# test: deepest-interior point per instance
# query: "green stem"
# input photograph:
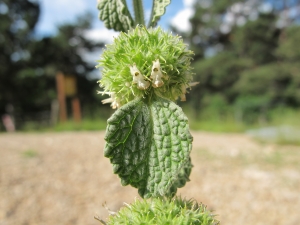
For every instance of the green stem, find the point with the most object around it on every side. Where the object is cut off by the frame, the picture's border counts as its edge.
(138, 12)
(151, 16)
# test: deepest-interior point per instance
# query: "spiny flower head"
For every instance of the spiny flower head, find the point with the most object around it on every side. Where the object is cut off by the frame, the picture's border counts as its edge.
(145, 63)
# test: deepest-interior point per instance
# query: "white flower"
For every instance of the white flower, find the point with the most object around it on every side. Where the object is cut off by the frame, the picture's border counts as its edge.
(113, 100)
(183, 90)
(138, 78)
(156, 75)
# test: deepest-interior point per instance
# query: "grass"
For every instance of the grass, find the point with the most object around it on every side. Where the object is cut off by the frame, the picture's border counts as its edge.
(30, 153)
(277, 159)
(226, 122)
(215, 125)
(210, 120)
(284, 141)
(285, 116)
(280, 140)
(90, 125)
(215, 122)
(84, 125)
(282, 164)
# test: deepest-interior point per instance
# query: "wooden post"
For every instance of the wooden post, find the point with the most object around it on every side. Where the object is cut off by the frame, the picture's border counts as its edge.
(54, 112)
(60, 84)
(76, 109)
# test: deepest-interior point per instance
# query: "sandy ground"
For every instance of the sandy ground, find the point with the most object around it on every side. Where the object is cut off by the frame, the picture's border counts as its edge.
(63, 178)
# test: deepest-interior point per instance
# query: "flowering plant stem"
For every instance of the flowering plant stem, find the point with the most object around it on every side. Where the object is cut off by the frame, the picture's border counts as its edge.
(138, 12)
(148, 142)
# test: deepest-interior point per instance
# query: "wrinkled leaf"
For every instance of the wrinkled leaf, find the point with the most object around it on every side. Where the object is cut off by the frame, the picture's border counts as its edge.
(115, 15)
(149, 146)
(158, 10)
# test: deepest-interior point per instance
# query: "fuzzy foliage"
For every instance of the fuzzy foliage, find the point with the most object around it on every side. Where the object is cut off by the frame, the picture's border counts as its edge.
(149, 146)
(139, 49)
(162, 212)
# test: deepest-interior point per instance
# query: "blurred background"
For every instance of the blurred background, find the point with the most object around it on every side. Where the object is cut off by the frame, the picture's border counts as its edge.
(247, 58)
(246, 61)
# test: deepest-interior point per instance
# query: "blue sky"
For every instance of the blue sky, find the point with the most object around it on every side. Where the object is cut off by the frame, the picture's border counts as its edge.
(54, 12)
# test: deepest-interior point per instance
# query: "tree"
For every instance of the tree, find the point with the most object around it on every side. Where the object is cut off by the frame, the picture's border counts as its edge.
(206, 26)
(28, 65)
(64, 52)
(276, 83)
(255, 72)
(18, 19)
(257, 39)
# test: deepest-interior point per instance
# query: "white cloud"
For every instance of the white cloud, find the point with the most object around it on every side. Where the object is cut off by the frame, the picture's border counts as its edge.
(91, 57)
(55, 12)
(97, 35)
(189, 3)
(266, 7)
(181, 19)
(101, 34)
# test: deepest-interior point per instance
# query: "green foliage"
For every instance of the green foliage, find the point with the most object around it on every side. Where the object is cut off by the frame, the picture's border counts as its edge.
(282, 86)
(282, 127)
(286, 50)
(115, 15)
(138, 12)
(148, 139)
(62, 53)
(217, 80)
(158, 9)
(149, 144)
(205, 26)
(216, 116)
(141, 47)
(284, 115)
(221, 77)
(85, 125)
(159, 211)
(255, 71)
(274, 83)
(13, 42)
(219, 7)
(257, 39)
(28, 65)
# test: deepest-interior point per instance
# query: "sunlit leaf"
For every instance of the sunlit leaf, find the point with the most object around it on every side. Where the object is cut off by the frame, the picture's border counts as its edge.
(115, 15)
(149, 146)
(159, 9)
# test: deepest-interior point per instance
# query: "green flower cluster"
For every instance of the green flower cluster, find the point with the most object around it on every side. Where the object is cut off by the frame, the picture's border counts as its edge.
(145, 63)
(164, 211)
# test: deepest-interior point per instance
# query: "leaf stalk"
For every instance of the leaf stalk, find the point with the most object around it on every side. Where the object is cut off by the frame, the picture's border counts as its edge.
(151, 15)
(138, 12)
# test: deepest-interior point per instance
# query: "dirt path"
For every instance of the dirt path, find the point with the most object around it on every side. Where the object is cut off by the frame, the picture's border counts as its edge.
(63, 178)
